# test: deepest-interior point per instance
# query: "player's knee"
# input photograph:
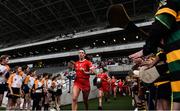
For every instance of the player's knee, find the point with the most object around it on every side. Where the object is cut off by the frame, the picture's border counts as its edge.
(100, 96)
(74, 99)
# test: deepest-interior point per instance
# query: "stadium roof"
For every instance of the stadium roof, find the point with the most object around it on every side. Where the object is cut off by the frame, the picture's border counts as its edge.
(24, 21)
(105, 31)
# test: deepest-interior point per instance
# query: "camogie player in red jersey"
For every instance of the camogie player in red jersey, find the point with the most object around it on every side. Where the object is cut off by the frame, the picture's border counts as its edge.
(114, 86)
(104, 87)
(83, 70)
(120, 86)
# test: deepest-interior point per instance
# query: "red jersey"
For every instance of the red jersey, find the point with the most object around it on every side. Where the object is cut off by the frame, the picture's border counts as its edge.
(86, 65)
(105, 85)
(104, 78)
(120, 84)
(113, 82)
(82, 79)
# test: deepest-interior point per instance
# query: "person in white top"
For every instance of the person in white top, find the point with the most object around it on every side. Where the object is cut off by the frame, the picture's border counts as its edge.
(52, 91)
(45, 88)
(27, 88)
(37, 93)
(4, 60)
(59, 91)
(49, 82)
(48, 96)
(2, 82)
(4, 74)
(15, 92)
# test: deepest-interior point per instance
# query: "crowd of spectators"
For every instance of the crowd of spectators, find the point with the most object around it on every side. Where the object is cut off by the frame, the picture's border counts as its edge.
(113, 61)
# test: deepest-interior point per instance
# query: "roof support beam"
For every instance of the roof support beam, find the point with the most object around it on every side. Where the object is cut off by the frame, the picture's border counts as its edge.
(92, 9)
(30, 10)
(12, 18)
(41, 7)
(72, 15)
(69, 5)
(55, 15)
(17, 28)
(8, 33)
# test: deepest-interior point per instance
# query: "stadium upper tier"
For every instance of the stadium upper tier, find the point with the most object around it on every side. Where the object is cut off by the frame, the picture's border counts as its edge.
(112, 37)
(75, 53)
(70, 37)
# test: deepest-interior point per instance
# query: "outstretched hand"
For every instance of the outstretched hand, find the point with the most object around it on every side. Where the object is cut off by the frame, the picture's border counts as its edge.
(136, 55)
(151, 63)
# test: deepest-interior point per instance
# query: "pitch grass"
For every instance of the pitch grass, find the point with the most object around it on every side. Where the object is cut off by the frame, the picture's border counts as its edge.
(121, 103)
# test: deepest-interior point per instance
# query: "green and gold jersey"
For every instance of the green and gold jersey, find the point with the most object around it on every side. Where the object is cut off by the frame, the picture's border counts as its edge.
(169, 15)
